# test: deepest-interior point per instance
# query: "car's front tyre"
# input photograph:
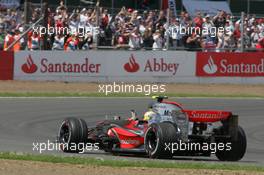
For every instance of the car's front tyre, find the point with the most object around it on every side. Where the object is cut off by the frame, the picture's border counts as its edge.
(72, 135)
(158, 140)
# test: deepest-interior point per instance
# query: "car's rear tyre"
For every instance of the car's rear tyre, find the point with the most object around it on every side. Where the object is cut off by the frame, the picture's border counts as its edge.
(73, 135)
(158, 140)
(238, 148)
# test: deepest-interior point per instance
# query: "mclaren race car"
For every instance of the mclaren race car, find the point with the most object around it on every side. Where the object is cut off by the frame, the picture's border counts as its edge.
(166, 130)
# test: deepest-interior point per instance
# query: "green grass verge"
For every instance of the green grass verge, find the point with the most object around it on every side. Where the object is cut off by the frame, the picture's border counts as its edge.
(129, 163)
(68, 94)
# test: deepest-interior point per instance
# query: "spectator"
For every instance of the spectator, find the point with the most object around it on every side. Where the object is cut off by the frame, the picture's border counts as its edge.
(220, 20)
(120, 36)
(85, 42)
(161, 19)
(142, 25)
(229, 27)
(105, 19)
(261, 24)
(17, 46)
(260, 45)
(193, 42)
(135, 39)
(184, 18)
(34, 41)
(210, 34)
(237, 32)
(225, 41)
(247, 40)
(72, 43)
(208, 41)
(23, 43)
(9, 39)
(198, 20)
(175, 34)
(207, 25)
(73, 22)
(158, 40)
(148, 38)
(255, 37)
(58, 43)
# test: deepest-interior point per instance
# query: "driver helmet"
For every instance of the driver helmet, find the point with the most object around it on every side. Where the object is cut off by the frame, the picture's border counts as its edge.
(149, 115)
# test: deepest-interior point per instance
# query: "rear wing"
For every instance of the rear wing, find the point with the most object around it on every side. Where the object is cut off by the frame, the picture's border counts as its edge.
(229, 121)
(207, 116)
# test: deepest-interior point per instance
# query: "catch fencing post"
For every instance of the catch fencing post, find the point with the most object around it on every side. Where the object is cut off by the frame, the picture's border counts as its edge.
(242, 32)
(168, 25)
(45, 24)
(97, 23)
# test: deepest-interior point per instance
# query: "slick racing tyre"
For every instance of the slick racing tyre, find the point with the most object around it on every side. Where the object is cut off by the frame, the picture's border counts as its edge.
(72, 135)
(158, 137)
(238, 148)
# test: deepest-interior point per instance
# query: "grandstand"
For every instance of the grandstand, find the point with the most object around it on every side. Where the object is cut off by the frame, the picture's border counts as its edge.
(134, 26)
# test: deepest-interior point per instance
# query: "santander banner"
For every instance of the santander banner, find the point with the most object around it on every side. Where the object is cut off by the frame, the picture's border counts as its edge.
(45, 65)
(105, 66)
(230, 64)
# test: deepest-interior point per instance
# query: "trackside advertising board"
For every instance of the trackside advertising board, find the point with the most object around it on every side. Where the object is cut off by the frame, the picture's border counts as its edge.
(6, 65)
(105, 66)
(230, 64)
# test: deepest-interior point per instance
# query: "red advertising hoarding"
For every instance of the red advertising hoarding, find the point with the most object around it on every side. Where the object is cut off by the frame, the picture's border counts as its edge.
(6, 65)
(229, 64)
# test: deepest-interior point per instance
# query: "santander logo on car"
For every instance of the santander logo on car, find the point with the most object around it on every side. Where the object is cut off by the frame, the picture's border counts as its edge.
(29, 67)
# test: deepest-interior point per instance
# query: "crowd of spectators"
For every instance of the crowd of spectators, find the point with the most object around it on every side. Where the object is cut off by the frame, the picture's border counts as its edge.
(131, 29)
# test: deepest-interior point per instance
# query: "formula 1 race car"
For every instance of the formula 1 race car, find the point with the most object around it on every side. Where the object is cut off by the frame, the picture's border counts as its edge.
(170, 130)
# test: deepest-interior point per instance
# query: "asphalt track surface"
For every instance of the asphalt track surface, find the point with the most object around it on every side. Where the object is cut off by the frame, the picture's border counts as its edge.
(24, 121)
